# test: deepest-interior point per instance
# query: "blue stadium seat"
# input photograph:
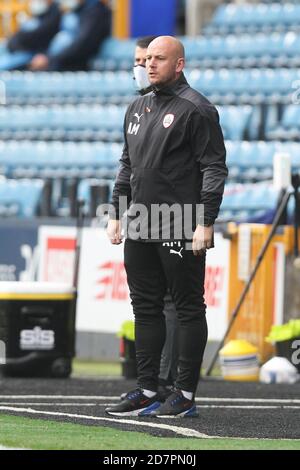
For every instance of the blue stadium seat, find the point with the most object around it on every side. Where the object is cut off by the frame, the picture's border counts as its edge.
(289, 126)
(84, 189)
(242, 202)
(20, 197)
(115, 54)
(234, 121)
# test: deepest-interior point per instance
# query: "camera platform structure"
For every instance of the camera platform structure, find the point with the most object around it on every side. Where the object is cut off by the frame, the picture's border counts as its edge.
(280, 218)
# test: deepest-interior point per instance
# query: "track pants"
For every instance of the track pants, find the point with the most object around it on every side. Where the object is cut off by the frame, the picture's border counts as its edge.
(150, 268)
(169, 355)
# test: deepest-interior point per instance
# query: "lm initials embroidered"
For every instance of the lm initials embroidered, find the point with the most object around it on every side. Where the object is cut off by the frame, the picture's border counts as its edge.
(133, 128)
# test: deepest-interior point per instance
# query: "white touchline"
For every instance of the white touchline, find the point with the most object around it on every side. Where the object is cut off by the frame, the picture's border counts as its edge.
(186, 432)
(254, 407)
(7, 403)
(113, 398)
(12, 448)
(60, 397)
(249, 400)
(101, 405)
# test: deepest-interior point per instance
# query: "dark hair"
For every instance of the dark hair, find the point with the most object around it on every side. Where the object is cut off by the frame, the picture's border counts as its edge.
(144, 42)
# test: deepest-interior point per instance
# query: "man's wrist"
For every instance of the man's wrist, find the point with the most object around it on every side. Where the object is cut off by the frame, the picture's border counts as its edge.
(206, 223)
(113, 213)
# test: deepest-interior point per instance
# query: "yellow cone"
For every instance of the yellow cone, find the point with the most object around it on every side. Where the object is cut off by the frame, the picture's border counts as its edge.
(239, 361)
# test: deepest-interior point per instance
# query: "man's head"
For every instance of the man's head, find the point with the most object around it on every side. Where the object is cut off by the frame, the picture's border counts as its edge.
(141, 50)
(164, 60)
(139, 69)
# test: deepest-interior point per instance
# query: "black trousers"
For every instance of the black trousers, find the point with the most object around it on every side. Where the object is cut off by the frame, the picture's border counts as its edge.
(150, 268)
(169, 356)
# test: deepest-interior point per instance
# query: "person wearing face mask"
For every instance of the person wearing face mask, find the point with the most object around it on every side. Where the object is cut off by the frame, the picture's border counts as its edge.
(34, 35)
(83, 27)
(169, 357)
(139, 69)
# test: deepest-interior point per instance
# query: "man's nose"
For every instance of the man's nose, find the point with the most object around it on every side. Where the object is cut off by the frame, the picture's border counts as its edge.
(151, 62)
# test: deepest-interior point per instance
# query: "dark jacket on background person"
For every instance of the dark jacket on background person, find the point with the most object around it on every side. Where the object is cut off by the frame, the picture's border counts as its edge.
(174, 151)
(38, 38)
(94, 27)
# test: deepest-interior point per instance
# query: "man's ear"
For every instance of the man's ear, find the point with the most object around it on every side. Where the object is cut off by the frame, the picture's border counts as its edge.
(180, 64)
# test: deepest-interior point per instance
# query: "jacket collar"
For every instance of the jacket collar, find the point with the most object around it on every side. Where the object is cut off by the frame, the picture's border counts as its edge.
(144, 91)
(173, 87)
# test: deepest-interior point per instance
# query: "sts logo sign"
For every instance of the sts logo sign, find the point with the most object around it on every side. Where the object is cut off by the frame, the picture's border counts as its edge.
(37, 339)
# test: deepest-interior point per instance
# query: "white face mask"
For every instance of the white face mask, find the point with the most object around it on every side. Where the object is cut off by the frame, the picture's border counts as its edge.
(69, 5)
(141, 77)
(38, 7)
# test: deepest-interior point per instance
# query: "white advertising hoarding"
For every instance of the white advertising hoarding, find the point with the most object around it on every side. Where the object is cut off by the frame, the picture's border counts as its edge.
(103, 297)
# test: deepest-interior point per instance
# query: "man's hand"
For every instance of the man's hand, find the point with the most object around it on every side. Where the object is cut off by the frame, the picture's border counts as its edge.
(202, 239)
(114, 231)
(39, 62)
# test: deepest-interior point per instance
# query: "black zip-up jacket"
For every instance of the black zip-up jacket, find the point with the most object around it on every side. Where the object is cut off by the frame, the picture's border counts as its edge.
(173, 152)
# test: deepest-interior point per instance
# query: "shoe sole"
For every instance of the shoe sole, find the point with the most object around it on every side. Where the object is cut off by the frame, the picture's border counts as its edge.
(147, 411)
(125, 413)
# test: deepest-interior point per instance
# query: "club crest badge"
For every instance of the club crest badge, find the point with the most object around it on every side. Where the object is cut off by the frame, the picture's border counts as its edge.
(168, 119)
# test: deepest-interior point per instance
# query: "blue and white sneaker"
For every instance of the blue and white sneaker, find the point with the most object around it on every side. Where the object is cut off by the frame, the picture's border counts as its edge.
(147, 411)
(133, 403)
(175, 406)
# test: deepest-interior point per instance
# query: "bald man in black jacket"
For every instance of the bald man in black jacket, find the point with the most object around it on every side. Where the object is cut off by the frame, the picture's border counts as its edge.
(170, 183)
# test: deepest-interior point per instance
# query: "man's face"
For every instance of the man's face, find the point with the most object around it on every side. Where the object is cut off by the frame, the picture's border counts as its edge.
(140, 56)
(162, 63)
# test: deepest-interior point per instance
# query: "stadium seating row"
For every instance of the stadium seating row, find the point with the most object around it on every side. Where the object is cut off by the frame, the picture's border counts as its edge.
(254, 17)
(58, 159)
(274, 50)
(260, 84)
(21, 198)
(251, 197)
(94, 122)
(27, 85)
(105, 123)
(246, 160)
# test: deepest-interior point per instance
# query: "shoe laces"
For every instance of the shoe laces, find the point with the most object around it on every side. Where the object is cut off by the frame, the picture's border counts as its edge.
(178, 396)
